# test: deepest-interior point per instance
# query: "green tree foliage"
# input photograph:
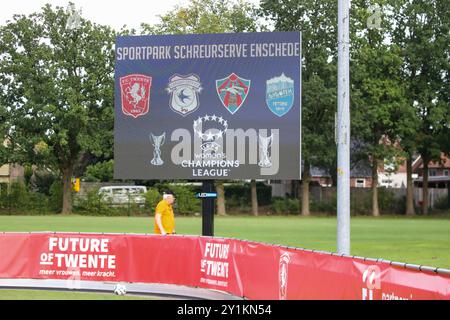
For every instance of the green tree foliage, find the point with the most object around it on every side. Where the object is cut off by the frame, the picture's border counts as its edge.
(207, 16)
(57, 88)
(378, 93)
(421, 30)
(316, 19)
(100, 172)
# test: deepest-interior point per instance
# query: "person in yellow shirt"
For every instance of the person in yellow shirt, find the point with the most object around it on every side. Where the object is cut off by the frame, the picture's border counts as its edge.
(164, 218)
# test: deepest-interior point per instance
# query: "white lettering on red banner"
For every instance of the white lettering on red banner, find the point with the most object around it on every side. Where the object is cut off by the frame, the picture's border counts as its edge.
(75, 257)
(215, 265)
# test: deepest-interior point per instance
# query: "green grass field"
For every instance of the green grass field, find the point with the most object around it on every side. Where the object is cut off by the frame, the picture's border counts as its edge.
(62, 295)
(417, 240)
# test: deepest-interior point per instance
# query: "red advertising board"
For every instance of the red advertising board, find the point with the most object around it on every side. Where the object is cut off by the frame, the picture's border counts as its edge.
(247, 269)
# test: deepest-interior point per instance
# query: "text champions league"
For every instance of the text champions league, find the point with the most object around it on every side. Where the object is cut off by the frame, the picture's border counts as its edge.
(209, 51)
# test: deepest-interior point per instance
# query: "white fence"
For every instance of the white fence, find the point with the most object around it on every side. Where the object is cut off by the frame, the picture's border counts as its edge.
(434, 195)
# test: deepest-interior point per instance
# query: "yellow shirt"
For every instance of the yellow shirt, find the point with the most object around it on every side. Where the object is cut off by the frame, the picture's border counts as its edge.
(167, 217)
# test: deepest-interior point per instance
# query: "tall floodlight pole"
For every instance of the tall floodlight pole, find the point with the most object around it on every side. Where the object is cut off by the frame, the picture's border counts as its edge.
(343, 130)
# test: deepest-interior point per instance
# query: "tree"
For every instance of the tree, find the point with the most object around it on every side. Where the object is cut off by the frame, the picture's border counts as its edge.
(316, 19)
(377, 92)
(407, 126)
(221, 211)
(254, 197)
(422, 31)
(57, 86)
(208, 16)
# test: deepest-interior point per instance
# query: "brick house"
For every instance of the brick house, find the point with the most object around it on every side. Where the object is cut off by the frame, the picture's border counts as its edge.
(438, 173)
(438, 180)
(10, 173)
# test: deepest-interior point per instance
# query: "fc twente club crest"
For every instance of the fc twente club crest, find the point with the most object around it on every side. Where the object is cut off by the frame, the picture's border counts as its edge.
(232, 91)
(184, 92)
(280, 94)
(135, 94)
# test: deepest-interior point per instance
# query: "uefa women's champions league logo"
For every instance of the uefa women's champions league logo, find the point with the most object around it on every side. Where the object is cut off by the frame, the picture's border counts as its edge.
(209, 136)
(211, 145)
(283, 275)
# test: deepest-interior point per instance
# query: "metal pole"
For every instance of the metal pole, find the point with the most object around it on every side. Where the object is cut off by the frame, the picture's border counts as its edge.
(448, 195)
(343, 130)
(208, 209)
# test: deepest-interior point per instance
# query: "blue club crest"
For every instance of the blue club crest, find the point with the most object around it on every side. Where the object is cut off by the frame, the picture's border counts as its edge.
(280, 94)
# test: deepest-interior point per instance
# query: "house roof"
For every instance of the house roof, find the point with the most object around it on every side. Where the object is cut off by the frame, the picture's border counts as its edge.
(445, 163)
(361, 169)
(434, 179)
(319, 172)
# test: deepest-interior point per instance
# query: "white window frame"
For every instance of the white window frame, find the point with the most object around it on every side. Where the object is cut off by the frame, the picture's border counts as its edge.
(358, 182)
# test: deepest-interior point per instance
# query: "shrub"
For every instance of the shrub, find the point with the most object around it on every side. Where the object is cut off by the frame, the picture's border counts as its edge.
(186, 202)
(241, 194)
(285, 206)
(43, 181)
(20, 200)
(360, 201)
(18, 195)
(93, 204)
(38, 202)
(56, 196)
(387, 201)
(328, 206)
(152, 197)
(100, 172)
(441, 203)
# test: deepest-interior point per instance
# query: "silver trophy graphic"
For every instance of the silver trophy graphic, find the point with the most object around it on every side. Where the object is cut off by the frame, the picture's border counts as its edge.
(157, 142)
(264, 144)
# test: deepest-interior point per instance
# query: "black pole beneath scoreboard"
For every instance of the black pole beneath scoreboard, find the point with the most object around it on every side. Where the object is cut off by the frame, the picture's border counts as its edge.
(208, 209)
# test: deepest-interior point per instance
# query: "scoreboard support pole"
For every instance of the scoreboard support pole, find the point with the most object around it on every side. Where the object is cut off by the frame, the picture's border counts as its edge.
(343, 130)
(208, 208)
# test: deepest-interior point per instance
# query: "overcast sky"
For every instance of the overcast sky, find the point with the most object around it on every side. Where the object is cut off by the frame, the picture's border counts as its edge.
(114, 13)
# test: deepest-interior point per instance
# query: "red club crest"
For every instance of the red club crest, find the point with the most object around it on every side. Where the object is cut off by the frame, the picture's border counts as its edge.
(135, 93)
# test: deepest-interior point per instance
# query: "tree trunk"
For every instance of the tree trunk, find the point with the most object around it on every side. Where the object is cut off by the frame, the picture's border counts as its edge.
(220, 198)
(425, 187)
(306, 178)
(254, 198)
(375, 208)
(67, 190)
(409, 188)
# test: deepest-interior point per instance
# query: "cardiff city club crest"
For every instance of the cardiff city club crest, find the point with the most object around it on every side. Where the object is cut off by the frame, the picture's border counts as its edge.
(232, 91)
(135, 92)
(184, 92)
(280, 94)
